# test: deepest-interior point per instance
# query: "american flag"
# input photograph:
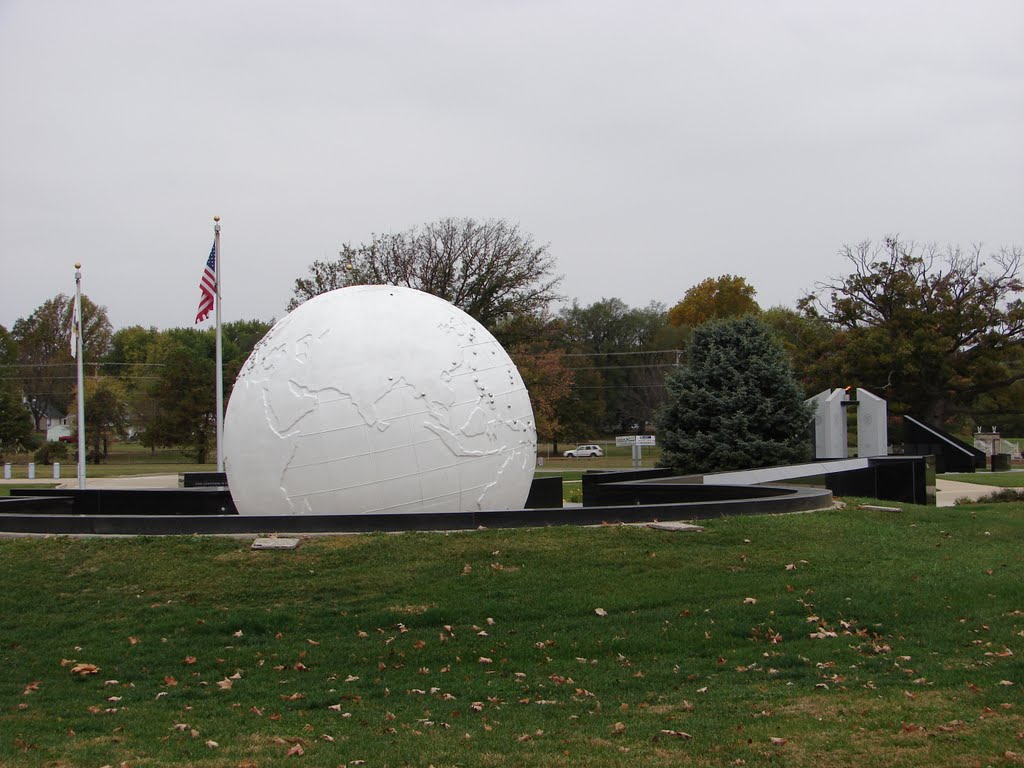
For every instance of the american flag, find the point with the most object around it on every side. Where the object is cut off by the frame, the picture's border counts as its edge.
(74, 327)
(208, 285)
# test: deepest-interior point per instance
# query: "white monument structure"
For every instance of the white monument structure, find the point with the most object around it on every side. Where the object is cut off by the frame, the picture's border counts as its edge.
(378, 399)
(830, 432)
(830, 424)
(872, 424)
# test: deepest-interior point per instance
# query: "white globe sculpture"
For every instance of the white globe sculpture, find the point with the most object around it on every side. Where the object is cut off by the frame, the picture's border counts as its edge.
(378, 399)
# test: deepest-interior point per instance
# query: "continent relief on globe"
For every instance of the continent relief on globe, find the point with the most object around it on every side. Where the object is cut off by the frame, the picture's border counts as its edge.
(378, 399)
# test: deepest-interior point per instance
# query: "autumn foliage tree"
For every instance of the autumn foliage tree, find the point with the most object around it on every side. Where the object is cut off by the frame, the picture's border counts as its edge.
(549, 382)
(714, 298)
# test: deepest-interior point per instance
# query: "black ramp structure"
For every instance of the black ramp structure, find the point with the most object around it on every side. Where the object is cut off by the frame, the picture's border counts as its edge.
(951, 454)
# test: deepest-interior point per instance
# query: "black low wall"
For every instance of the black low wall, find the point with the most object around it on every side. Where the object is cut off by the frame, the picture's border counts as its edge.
(779, 500)
(37, 506)
(654, 492)
(892, 478)
(139, 501)
(203, 479)
(631, 496)
(545, 492)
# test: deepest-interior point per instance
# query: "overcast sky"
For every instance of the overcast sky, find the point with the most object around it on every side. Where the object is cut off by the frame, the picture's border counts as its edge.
(652, 144)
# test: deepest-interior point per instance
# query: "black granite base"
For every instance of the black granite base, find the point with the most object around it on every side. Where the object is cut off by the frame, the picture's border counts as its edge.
(774, 500)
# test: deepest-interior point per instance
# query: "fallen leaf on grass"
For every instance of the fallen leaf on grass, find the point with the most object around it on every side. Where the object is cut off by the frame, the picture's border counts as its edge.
(225, 684)
(31, 688)
(778, 741)
(170, 681)
(749, 600)
(189, 660)
(675, 734)
(1000, 654)
(84, 669)
(618, 728)
(237, 634)
(600, 611)
(1006, 682)
(295, 751)
(133, 641)
(293, 697)
(212, 744)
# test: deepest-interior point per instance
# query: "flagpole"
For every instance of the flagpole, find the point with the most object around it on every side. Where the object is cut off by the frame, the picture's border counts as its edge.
(220, 368)
(81, 375)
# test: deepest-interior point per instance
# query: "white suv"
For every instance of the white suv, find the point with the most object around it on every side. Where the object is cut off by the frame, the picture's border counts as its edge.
(584, 451)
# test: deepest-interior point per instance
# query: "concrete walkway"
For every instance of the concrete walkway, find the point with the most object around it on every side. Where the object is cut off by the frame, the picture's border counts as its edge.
(131, 481)
(948, 491)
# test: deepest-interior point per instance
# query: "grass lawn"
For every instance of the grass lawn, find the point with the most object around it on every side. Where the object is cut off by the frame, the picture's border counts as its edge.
(124, 459)
(998, 479)
(851, 638)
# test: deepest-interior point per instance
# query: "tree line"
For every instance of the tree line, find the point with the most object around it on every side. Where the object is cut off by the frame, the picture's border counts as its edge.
(937, 332)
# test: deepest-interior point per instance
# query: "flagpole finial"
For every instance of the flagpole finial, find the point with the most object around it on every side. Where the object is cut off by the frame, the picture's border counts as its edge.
(78, 265)
(216, 218)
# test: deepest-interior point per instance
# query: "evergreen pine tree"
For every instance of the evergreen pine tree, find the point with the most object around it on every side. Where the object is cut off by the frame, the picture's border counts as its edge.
(734, 404)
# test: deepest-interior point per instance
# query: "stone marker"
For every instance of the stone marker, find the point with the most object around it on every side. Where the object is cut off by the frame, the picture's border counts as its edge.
(275, 543)
(672, 525)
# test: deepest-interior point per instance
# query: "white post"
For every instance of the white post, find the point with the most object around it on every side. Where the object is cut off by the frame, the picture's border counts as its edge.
(219, 354)
(56, 470)
(31, 470)
(81, 378)
(7, 471)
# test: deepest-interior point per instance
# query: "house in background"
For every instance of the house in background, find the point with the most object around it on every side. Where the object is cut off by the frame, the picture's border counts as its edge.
(55, 424)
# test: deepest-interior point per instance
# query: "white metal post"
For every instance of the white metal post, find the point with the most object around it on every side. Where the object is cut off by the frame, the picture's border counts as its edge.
(219, 354)
(81, 377)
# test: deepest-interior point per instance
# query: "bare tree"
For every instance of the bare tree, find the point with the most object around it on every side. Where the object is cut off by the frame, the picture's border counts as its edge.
(934, 328)
(490, 269)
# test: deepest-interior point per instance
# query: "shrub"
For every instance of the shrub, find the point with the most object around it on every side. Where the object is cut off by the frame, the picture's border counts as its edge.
(51, 451)
(996, 497)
